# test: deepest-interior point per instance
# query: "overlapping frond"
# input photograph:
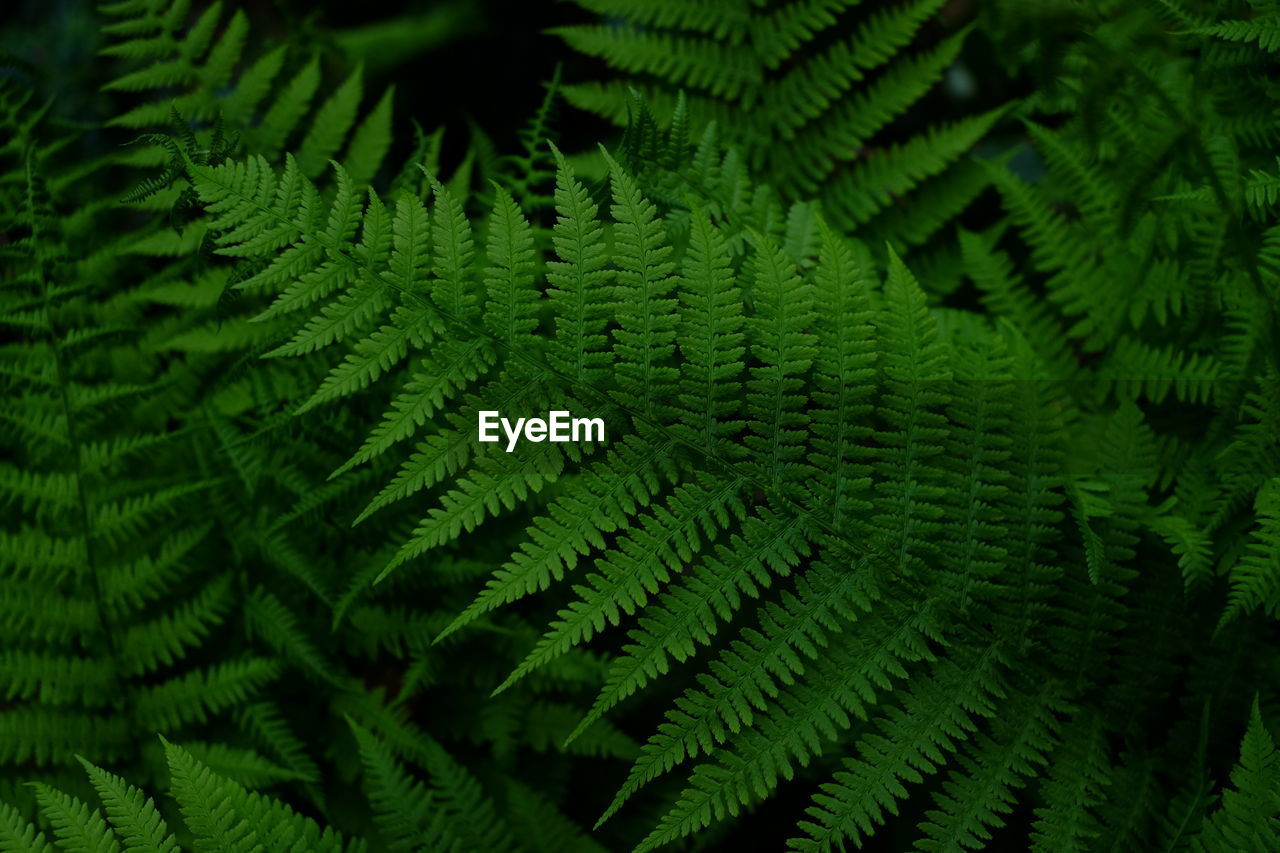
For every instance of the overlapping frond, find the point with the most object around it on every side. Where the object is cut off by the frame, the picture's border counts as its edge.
(811, 92)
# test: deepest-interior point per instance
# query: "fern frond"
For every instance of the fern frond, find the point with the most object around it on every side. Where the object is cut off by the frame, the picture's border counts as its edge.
(805, 88)
(979, 795)
(774, 407)
(1264, 30)
(77, 828)
(709, 336)
(688, 615)
(755, 669)
(1255, 579)
(645, 338)
(132, 813)
(917, 740)
(609, 494)
(405, 811)
(1249, 816)
(661, 543)
(222, 815)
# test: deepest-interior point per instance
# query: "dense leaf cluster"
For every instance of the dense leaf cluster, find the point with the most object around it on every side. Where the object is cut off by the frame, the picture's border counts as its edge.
(939, 506)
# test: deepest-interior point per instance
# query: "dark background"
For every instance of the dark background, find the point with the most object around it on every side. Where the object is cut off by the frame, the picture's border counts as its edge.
(461, 61)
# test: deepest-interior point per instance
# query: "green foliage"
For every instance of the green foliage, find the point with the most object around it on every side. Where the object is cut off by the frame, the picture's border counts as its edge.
(105, 597)
(938, 505)
(812, 94)
(214, 813)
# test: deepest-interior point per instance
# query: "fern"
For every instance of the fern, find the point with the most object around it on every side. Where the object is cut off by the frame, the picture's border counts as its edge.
(113, 554)
(810, 91)
(707, 590)
(1246, 820)
(898, 533)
